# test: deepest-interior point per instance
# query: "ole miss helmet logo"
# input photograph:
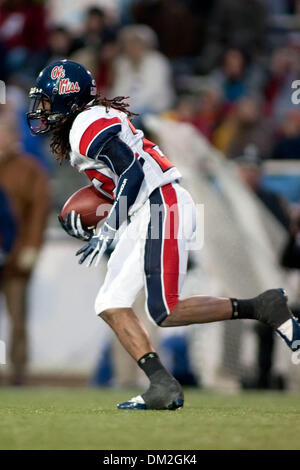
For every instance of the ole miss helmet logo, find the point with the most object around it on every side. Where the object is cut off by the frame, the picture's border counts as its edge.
(58, 72)
(65, 86)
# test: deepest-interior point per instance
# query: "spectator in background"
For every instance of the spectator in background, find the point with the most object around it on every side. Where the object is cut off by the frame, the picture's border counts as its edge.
(174, 24)
(202, 111)
(97, 30)
(7, 229)
(141, 72)
(23, 32)
(277, 76)
(241, 23)
(235, 24)
(208, 111)
(235, 78)
(243, 126)
(26, 184)
(96, 47)
(290, 71)
(60, 44)
(287, 146)
(250, 171)
(184, 111)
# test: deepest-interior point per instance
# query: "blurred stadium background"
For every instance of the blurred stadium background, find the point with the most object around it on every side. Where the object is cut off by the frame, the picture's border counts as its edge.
(212, 83)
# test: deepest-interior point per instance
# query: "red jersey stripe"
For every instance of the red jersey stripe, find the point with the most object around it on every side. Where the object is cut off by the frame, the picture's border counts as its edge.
(106, 186)
(94, 129)
(170, 246)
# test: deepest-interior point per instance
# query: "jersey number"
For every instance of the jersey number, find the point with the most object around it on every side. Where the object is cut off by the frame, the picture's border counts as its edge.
(157, 154)
(106, 185)
(154, 151)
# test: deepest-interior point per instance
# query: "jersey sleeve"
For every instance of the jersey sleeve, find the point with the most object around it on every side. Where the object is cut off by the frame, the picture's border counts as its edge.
(92, 129)
(103, 180)
(121, 158)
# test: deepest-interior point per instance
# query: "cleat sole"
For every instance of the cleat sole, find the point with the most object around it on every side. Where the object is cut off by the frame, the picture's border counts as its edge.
(129, 405)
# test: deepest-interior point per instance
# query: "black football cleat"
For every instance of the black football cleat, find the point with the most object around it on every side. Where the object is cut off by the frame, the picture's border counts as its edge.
(271, 308)
(164, 395)
(135, 403)
(138, 403)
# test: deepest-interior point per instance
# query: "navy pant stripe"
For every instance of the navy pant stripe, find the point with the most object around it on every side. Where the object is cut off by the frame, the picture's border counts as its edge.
(153, 256)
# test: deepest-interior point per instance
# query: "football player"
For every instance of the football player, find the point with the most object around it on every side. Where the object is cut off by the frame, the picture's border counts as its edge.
(97, 137)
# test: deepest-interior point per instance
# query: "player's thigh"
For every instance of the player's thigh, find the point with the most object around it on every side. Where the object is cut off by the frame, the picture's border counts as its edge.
(171, 226)
(125, 269)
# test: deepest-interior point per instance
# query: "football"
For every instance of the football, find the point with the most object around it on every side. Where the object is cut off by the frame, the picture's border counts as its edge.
(90, 204)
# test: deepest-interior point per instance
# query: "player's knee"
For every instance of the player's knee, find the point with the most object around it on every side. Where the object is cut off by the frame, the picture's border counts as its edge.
(173, 318)
(154, 314)
(162, 324)
(114, 316)
(108, 315)
(160, 316)
(167, 321)
(103, 310)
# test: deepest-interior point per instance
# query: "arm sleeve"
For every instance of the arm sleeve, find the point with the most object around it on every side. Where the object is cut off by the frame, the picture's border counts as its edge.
(120, 158)
(96, 134)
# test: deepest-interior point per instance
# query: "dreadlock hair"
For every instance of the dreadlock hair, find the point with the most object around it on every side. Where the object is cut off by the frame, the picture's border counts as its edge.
(60, 144)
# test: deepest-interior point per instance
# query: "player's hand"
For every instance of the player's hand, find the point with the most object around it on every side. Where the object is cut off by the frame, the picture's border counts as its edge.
(96, 247)
(73, 226)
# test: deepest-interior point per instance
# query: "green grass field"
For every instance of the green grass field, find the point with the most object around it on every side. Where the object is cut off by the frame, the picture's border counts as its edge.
(88, 419)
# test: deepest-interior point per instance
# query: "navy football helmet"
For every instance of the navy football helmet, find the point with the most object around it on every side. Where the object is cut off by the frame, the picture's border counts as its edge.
(61, 89)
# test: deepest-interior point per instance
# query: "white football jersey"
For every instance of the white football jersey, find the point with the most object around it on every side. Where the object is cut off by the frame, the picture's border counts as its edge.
(92, 128)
